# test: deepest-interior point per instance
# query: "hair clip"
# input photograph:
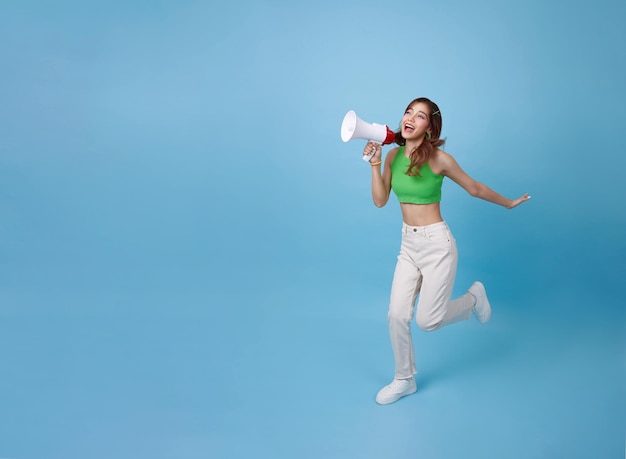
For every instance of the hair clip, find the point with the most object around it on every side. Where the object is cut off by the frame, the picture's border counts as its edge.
(437, 112)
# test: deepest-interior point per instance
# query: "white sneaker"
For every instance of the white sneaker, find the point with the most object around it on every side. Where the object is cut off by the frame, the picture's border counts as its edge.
(482, 309)
(396, 390)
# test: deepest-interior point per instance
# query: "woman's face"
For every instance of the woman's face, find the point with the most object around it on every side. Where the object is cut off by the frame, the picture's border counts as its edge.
(415, 122)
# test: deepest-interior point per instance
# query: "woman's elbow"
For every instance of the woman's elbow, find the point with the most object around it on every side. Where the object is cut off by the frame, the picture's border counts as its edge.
(475, 190)
(378, 202)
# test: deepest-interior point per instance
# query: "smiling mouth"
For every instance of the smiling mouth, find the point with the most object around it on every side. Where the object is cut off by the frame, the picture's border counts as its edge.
(409, 127)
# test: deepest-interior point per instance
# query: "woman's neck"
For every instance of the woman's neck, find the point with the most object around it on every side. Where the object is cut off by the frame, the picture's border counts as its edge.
(411, 145)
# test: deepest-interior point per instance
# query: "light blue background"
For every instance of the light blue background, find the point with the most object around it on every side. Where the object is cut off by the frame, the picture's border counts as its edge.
(191, 265)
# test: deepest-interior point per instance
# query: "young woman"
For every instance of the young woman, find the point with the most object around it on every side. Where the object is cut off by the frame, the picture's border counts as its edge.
(428, 255)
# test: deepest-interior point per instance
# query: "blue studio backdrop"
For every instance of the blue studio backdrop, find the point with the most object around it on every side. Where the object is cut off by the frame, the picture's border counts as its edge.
(191, 264)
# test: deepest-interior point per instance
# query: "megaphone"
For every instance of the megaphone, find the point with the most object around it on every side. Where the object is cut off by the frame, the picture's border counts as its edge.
(354, 127)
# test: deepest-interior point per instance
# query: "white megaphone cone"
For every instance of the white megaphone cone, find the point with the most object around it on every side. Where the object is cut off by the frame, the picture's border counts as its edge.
(354, 127)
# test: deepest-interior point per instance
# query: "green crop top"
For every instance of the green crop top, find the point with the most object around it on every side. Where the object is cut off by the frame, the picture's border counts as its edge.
(422, 189)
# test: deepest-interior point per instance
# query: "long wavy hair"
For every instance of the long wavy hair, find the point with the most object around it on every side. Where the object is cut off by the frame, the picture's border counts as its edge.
(421, 154)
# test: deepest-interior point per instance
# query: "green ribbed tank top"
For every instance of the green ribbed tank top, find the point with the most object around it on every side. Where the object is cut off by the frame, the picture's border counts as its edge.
(422, 189)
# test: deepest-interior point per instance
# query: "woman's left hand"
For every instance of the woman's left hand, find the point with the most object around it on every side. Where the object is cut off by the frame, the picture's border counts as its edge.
(518, 201)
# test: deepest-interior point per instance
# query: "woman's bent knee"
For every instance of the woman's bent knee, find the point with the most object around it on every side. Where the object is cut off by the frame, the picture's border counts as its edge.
(427, 324)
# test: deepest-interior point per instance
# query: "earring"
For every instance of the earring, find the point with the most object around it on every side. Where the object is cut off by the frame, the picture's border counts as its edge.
(428, 136)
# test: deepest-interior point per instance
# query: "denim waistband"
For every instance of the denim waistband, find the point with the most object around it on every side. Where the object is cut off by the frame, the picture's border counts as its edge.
(408, 229)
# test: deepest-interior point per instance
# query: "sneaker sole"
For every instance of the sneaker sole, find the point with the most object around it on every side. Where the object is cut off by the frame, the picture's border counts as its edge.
(388, 402)
(484, 295)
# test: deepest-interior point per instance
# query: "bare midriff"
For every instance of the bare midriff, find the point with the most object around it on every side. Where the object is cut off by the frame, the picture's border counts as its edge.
(421, 214)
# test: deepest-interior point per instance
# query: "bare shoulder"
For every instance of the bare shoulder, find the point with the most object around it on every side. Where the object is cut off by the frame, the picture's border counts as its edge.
(441, 162)
(391, 154)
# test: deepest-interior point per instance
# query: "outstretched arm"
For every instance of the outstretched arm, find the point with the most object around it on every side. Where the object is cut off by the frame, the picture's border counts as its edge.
(450, 168)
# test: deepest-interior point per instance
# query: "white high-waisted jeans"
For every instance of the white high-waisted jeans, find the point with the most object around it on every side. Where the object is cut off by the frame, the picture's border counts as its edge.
(426, 265)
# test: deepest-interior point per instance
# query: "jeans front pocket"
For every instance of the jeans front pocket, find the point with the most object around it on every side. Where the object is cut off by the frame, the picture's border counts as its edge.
(439, 234)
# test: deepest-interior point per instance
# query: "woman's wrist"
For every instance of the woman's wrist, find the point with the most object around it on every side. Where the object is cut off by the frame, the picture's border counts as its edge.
(376, 163)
